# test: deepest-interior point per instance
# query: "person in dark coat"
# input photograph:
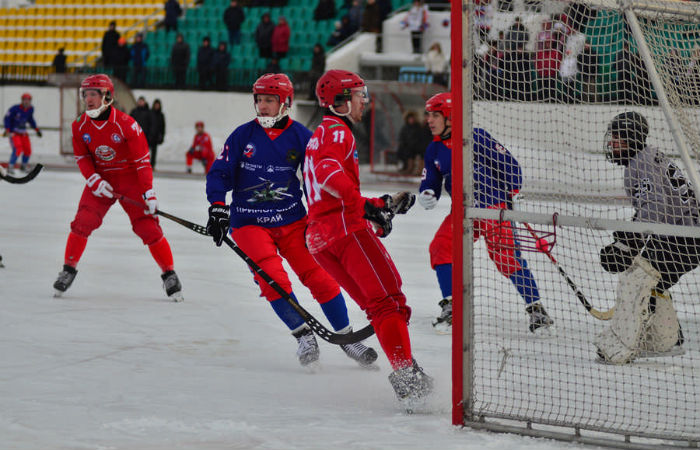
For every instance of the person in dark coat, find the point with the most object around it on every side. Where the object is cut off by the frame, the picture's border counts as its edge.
(180, 60)
(139, 56)
(222, 59)
(205, 63)
(263, 36)
(172, 12)
(59, 61)
(411, 141)
(109, 44)
(371, 18)
(233, 18)
(318, 68)
(157, 132)
(142, 115)
(121, 57)
(324, 10)
(280, 38)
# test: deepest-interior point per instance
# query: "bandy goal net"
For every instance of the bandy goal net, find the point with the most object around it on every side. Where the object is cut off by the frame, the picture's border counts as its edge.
(598, 101)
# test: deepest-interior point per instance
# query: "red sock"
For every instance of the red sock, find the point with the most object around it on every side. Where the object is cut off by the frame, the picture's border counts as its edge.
(393, 337)
(162, 254)
(74, 249)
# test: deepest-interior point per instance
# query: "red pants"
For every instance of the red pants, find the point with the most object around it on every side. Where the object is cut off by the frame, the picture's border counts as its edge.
(500, 244)
(362, 266)
(206, 156)
(21, 144)
(91, 211)
(267, 247)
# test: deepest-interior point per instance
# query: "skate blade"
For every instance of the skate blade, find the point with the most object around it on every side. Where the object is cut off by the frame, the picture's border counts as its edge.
(57, 294)
(177, 297)
(442, 328)
(371, 367)
(545, 331)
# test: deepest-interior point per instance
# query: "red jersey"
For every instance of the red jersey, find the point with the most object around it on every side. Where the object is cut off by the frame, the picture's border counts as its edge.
(332, 180)
(202, 143)
(112, 148)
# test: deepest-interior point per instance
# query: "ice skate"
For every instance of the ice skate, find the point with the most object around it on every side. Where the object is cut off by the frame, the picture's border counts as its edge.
(172, 286)
(443, 323)
(411, 385)
(1, 264)
(365, 356)
(538, 317)
(308, 351)
(64, 280)
(10, 169)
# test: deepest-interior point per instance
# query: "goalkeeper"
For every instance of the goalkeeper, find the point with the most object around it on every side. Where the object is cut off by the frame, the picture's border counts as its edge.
(497, 177)
(645, 321)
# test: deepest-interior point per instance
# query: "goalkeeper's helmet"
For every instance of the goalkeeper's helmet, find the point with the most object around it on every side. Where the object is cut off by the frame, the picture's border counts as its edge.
(103, 84)
(26, 96)
(441, 103)
(626, 135)
(274, 84)
(335, 88)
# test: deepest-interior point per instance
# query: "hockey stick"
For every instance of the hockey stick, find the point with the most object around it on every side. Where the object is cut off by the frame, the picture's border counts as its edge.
(21, 180)
(323, 332)
(601, 315)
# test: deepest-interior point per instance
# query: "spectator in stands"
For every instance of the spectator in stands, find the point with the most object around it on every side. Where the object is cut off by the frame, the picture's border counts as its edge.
(416, 21)
(120, 58)
(318, 68)
(280, 38)
(180, 60)
(547, 61)
(568, 70)
(233, 18)
(692, 74)
(172, 12)
(263, 36)
(410, 150)
(493, 69)
(109, 43)
(385, 9)
(517, 35)
(517, 73)
(222, 59)
(273, 66)
(370, 18)
(324, 10)
(142, 115)
(139, 56)
(355, 15)
(157, 133)
(59, 61)
(588, 68)
(436, 64)
(483, 12)
(335, 37)
(205, 63)
(633, 84)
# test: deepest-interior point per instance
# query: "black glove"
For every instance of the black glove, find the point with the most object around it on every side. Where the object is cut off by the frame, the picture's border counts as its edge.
(379, 216)
(400, 202)
(218, 223)
(38, 132)
(618, 256)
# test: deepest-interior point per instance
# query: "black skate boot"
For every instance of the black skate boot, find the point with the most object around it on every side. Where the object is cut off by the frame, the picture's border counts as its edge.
(172, 286)
(411, 384)
(445, 317)
(308, 351)
(65, 279)
(365, 356)
(538, 317)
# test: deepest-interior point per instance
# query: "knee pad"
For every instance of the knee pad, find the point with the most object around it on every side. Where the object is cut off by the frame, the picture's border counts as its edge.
(148, 229)
(662, 328)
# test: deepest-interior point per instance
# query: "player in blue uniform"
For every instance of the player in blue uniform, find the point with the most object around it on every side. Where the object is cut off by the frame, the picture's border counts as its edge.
(16, 121)
(259, 164)
(497, 178)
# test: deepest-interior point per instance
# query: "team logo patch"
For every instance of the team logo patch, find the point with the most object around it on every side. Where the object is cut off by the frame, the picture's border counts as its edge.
(86, 138)
(355, 155)
(105, 153)
(116, 138)
(249, 150)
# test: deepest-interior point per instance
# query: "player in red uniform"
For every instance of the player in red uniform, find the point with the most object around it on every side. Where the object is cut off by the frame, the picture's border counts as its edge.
(112, 154)
(340, 235)
(201, 149)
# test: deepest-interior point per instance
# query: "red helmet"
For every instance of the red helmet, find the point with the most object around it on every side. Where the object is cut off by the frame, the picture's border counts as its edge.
(199, 123)
(275, 84)
(27, 96)
(100, 82)
(334, 87)
(441, 103)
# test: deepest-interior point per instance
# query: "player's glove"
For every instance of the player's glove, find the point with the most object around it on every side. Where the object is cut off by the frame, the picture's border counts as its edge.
(38, 132)
(427, 199)
(218, 223)
(618, 256)
(5, 133)
(99, 187)
(151, 201)
(400, 202)
(381, 216)
(190, 150)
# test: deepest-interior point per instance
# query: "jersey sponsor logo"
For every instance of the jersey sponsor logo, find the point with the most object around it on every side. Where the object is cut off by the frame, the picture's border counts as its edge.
(116, 138)
(86, 138)
(270, 219)
(642, 188)
(105, 153)
(251, 167)
(249, 150)
(313, 144)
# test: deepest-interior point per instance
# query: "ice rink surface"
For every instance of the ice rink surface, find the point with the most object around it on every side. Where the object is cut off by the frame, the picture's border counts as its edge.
(114, 365)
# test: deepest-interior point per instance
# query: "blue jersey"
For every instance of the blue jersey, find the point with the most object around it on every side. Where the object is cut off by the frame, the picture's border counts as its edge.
(497, 174)
(262, 174)
(17, 118)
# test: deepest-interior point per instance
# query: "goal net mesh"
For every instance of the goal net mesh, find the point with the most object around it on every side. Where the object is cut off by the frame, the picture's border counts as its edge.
(548, 78)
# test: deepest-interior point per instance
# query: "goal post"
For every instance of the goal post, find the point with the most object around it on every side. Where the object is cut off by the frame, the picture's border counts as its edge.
(546, 86)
